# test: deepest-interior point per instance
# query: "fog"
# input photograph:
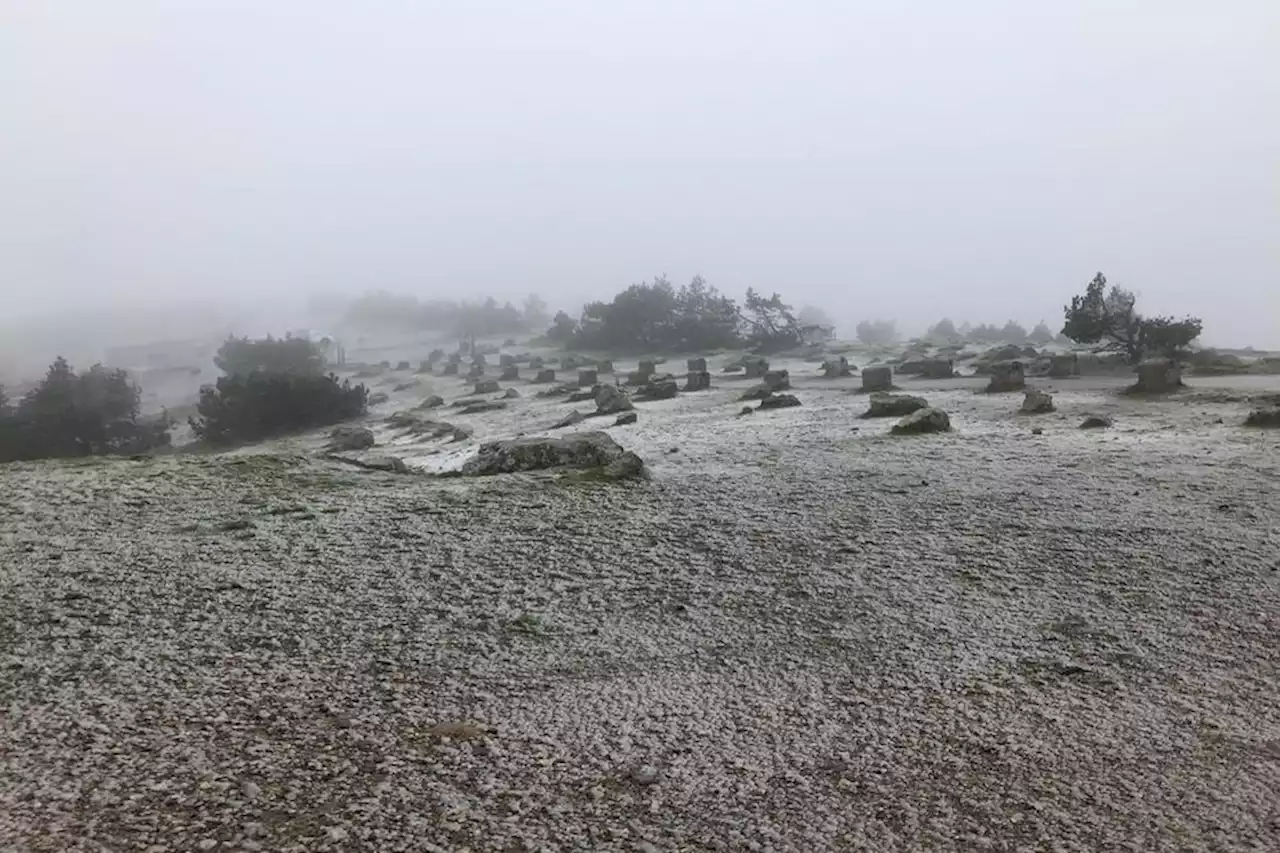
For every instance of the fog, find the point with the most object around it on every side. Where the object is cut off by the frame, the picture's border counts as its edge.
(977, 160)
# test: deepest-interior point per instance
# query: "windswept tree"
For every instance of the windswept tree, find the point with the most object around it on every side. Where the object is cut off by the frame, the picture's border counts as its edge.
(1107, 316)
(771, 326)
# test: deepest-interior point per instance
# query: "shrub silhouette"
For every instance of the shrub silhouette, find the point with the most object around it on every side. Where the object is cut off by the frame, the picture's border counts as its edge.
(94, 413)
(242, 356)
(258, 405)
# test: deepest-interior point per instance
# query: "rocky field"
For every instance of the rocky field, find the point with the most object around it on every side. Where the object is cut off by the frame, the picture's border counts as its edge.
(801, 633)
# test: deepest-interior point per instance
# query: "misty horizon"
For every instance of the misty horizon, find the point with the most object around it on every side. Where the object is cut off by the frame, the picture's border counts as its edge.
(979, 164)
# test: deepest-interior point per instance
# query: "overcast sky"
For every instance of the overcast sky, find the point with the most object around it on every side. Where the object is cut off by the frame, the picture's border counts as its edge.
(975, 159)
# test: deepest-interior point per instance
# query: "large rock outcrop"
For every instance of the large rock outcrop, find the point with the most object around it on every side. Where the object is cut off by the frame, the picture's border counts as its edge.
(1157, 376)
(923, 421)
(610, 400)
(697, 380)
(755, 367)
(1263, 418)
(1006, 376)
(884, 405)
(878, 378)
(348, 437)
(661, 386)
(1063, 366)
(1037, 402)
(595, 451)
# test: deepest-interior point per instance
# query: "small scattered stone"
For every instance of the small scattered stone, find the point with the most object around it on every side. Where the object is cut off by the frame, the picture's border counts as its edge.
(645, 774)
(569, 420)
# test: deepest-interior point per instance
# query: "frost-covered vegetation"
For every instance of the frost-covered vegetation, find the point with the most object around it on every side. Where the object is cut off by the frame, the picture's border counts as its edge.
(70, 414)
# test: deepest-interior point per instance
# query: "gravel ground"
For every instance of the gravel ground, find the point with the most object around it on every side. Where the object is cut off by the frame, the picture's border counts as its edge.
(800, 634)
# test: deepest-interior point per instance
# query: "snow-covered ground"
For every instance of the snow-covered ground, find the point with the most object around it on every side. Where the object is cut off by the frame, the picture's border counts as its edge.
(800, 634)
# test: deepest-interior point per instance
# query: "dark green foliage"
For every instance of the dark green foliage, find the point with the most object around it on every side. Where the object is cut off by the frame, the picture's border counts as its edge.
(656, 317)
(1100, 315)
(242, 356)
(1167, 336)
(255, 406)
(877, 332)
(705, 319)
(71, 415)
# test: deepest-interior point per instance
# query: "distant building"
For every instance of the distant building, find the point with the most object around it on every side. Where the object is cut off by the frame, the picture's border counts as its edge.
(814, 333)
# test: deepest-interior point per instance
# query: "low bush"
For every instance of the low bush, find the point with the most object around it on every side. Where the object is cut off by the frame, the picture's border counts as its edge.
(71, 414)
(255, 406)
(242, 356)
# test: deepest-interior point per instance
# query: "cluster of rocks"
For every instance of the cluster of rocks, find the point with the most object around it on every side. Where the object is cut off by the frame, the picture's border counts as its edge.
(593, 451)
